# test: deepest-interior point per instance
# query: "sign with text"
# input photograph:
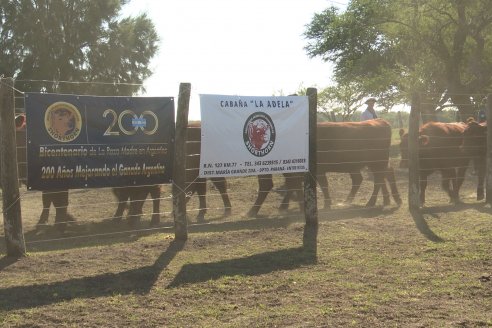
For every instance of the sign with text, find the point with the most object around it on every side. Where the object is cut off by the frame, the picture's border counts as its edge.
(88, 141)
(253, 135)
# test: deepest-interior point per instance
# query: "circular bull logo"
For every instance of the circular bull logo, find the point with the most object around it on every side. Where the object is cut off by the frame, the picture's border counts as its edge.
(63, 121)
(259, 134)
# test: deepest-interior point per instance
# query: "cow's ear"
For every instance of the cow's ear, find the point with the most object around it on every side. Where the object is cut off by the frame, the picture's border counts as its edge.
(402, 132)
(424, 140)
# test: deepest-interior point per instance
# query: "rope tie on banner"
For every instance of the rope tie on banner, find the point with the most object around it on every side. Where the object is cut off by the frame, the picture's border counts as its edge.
(184, 191)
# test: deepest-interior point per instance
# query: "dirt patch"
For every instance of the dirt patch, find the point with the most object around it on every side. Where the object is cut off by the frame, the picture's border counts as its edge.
(373, 267)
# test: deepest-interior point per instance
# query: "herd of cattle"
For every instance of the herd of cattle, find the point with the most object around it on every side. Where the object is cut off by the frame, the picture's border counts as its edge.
(344, 147)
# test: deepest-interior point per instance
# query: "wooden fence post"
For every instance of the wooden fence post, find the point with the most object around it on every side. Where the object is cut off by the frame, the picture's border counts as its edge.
(12, 218)
(310, 197)
(488, 188)
(179, 196)
(413, 155)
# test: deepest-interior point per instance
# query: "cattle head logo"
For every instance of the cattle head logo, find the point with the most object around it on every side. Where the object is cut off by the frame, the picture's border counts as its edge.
(259, 134)
(63, 121)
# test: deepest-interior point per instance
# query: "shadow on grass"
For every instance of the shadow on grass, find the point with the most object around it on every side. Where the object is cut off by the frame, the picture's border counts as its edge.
(76, 235)
(264, 263)
(108, 232)
(141, 280)
(137, 281)
(423, 227)
(356, 212)
(7, 261)
(481, 207)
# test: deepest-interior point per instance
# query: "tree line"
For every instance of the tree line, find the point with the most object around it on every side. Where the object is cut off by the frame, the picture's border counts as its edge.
(392, 49)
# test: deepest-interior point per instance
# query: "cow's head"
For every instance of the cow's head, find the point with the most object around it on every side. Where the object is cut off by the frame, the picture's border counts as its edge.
(258, 134)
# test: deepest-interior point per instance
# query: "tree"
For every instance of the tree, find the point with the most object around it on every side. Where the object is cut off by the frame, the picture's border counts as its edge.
(438, 47)
(342, 99)
(77, 40)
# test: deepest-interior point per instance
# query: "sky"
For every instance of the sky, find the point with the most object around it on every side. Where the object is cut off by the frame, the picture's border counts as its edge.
(232, 47)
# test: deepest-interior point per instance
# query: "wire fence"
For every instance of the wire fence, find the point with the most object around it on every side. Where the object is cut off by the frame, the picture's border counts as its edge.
(93, 209)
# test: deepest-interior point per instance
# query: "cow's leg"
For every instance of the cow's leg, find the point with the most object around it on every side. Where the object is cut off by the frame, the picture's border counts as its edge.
(137, 200)
(384, 190)
(45, 213)
(356, 178)
(122, 196)
(155, 194)
(323, 183)
(60, 201)
(201, 190)
(481, 181)
(460, 178)
(221, 185)
(390, 176)
(284, 205)
(378, 182)
(293, 185)
(265, 184)
(448, 179)
(135, 211)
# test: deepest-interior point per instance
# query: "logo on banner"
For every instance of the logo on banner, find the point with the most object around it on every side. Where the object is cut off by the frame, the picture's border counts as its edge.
(63, 121)
(259, 134)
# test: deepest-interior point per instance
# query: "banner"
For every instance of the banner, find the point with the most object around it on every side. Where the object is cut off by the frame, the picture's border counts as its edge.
(87, 141)
(253, 135)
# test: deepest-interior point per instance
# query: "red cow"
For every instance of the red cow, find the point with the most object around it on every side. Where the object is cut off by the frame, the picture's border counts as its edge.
(475, 147)
(345, 147)
(439, 150)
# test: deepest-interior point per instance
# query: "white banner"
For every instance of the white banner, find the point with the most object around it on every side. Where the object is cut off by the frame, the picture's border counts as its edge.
(253, 135)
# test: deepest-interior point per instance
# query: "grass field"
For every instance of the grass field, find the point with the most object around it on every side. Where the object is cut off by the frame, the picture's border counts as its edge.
(379, 267)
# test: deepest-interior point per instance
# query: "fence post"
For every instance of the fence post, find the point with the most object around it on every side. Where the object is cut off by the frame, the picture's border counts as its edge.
(488, 188)
(179, 196)
(413, 155)
(310, 197)
(12, 218)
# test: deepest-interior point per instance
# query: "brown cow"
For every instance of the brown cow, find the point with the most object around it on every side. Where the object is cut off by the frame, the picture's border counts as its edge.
(345, 147)
(439, 150)
(475, 147)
